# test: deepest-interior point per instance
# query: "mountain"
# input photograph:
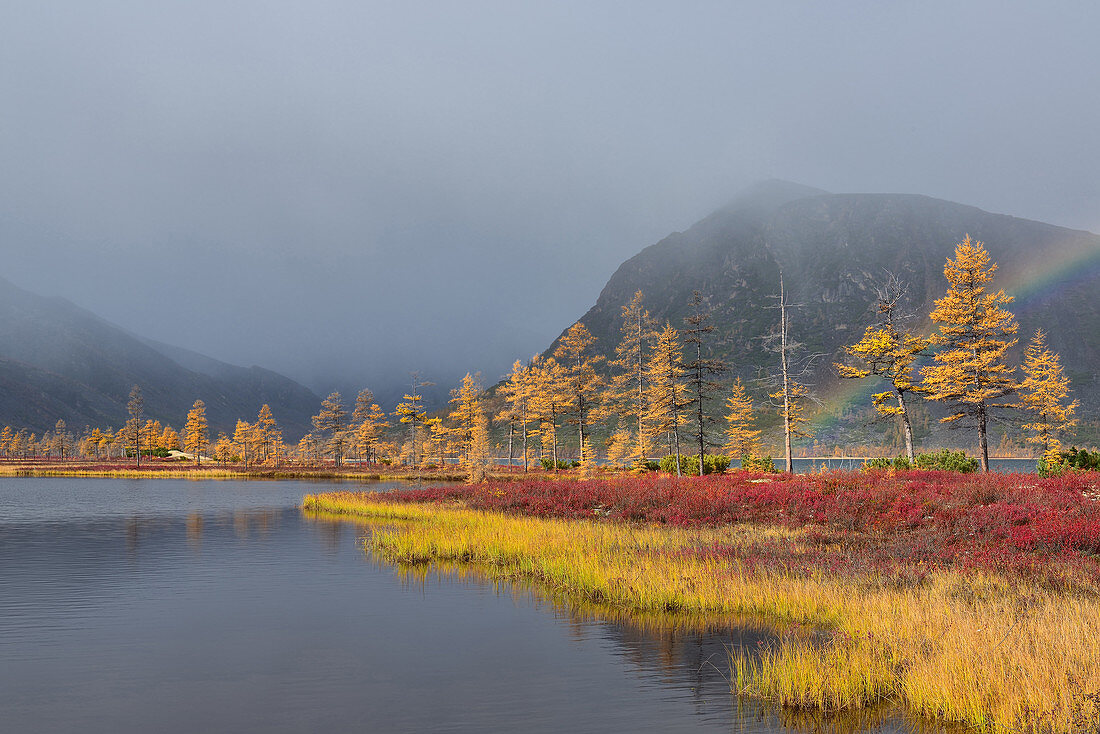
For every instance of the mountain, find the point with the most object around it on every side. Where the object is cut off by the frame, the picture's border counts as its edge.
(58, 360)
(833, 249)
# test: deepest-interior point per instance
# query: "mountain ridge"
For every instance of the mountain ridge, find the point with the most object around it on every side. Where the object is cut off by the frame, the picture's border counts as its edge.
(49, 346)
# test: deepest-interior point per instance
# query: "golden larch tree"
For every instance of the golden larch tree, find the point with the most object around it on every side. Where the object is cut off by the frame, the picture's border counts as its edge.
(548, 400)
(581, 381)
(195, 431)
(628, 395)
(1044, 395)
(411, 412)
(242, 439)
(267, 433)
(467, 413)
(668, 391)
(975, 331)
(889, 351)
(223, 449)
(516, 393)
(742, 436)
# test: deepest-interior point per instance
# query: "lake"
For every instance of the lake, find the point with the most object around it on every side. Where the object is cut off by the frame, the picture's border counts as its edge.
(182, 606)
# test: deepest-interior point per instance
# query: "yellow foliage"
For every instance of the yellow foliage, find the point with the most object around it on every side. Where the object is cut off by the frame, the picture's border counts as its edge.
(1043, 394)
(742, 438)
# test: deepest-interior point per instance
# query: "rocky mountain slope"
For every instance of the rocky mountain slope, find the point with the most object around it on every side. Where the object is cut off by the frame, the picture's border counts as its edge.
(833, 250)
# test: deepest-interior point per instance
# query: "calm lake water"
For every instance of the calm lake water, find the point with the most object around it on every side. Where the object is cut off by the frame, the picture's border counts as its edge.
(185, 606)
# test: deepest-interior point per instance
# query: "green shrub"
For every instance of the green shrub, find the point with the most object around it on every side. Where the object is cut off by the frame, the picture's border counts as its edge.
(1073, 460)
(689, 464)
(651, 465)
(548, 464)
(758, 463)
(947, 460)
(899, 463)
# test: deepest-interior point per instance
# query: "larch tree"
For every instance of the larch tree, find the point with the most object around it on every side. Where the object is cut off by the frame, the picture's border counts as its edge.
(467, 413)
(629, 391)
(888, 350)
(242, 439)
(267, 433)
(699, 371)
(516, 393)
(412, 413)
(580, 380)
(368, 431)
(135, 407)
(975, 330)
(223, 449)
(1044, 396)
(195, 430)
(549, 399)
(742, 436)
(363, 402)
(667, 391)
(478, 457)
(329, 425)
(170, 439)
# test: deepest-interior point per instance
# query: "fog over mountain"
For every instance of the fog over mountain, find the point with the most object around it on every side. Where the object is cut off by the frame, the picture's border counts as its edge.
(343, 192)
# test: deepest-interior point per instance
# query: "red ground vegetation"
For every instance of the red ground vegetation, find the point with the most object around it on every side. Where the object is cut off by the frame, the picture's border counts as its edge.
(901, 524)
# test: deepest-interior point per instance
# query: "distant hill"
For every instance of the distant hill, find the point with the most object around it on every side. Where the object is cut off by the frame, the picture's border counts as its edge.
(58, 360)
(833, 249)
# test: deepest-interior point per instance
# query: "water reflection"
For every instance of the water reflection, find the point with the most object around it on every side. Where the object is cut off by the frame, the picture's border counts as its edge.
(113, 621)
(676, 651)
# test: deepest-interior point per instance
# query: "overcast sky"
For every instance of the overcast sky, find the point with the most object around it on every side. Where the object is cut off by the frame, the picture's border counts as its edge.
(345, 191)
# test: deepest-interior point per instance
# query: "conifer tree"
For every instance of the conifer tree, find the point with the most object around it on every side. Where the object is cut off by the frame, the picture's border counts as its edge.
(266, 432)
(516, 393)
(329, 425)
(629, 393)
(742, 436)
(478, 458)
(581, 382)
(223, 449)
(60, 433)
(135, 406)
(242, 438)
(970, 373)
(700, 371)
(889, 351)
(411, 413)
(548, 400)
(667, 390)
(195, 431)
(1044, 395)
(467, 412)
(368, 432)
(170, 439)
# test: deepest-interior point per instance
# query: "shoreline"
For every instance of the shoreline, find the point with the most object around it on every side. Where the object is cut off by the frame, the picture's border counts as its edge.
(935, 645)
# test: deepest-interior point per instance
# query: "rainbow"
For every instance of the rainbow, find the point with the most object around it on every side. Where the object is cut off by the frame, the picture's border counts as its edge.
(1032, 284)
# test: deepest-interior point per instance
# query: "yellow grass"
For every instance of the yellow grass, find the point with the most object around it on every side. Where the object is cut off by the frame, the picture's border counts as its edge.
(968, 648)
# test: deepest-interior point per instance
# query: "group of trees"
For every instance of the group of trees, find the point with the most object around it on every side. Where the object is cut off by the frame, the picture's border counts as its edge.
(969, 373)
(651, 395)
(658, 394)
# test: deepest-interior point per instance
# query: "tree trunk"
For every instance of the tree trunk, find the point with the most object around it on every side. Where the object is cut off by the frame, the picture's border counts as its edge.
(908, 429)
(983, 438)
(783, 364)
(511, 433)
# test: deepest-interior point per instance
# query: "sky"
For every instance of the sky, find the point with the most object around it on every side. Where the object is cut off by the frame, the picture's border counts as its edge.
(349, 191)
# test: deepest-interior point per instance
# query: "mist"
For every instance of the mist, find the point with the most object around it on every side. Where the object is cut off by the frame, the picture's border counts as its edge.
(345, 192)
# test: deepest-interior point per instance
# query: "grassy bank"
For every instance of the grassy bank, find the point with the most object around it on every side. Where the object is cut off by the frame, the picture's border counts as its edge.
(176, 470)
(958, 627)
